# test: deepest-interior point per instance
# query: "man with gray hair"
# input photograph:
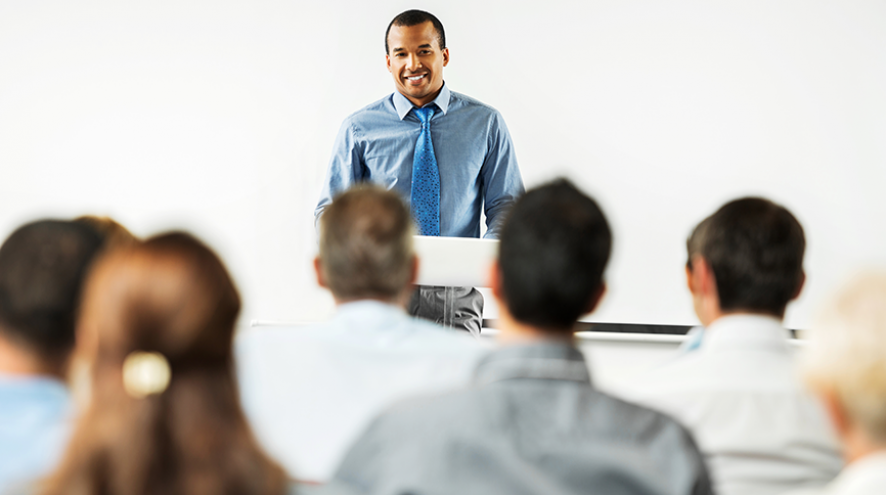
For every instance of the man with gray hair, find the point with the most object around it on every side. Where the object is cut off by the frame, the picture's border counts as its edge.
(340, 373)
(845, 365)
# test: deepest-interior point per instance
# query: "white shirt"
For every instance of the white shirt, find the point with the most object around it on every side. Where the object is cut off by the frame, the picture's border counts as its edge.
(309, 391)
(760, 431)
(865, 476)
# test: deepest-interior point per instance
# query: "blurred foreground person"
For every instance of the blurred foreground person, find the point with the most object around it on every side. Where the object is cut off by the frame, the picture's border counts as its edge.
(309, 391)
(113, 232)
(532, 422)
(42, 266)
(761, 432)
(164, 417)
(845, 364)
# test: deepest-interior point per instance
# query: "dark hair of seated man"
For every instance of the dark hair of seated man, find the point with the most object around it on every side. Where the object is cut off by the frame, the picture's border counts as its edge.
(554, 248)
(755, 249)
(42, 266)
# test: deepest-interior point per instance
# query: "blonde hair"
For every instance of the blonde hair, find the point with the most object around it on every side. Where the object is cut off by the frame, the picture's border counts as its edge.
(847, 352)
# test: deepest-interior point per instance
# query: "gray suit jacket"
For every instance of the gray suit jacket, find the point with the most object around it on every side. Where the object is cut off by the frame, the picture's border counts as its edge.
(531, 424)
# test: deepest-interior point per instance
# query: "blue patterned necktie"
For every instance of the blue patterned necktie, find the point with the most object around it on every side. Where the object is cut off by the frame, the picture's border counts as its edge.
(425, 197)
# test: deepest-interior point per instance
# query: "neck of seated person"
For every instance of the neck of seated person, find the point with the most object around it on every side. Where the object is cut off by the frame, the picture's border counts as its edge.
(15, 359)
(515, 332)
(712, 317)
(399, 301)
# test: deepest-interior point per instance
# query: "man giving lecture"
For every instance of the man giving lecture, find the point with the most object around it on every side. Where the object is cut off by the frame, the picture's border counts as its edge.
(447, 154)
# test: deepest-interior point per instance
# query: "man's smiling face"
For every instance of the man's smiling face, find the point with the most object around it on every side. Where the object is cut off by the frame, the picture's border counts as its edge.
(416, 61)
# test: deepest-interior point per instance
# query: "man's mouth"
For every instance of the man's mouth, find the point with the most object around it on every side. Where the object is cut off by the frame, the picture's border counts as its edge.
(416, 78)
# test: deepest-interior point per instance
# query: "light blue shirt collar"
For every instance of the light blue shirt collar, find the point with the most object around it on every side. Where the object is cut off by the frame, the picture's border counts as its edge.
(403, 105)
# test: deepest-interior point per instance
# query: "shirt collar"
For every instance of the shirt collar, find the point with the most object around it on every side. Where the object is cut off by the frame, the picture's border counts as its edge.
(403, 105)
(545, 361)
(745, 331)
(366, 306)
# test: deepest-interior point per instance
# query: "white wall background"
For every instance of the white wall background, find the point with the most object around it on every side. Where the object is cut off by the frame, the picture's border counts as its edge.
(219, 116)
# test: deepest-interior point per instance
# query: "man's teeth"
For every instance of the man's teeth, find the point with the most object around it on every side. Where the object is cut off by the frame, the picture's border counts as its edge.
(415, 78)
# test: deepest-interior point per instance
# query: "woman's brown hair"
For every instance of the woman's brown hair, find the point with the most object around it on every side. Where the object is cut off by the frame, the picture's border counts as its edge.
(169, 295)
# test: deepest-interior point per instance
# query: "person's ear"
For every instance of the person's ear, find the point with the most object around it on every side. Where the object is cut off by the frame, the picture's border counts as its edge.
(835, 411)
(388, 62)
(445, 57)
(318, 270)
(495, 282)
(700, 277)
(800, 285)
(595, 299)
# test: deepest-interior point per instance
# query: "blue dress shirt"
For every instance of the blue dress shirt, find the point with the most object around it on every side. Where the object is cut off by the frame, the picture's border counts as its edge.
(471, 143)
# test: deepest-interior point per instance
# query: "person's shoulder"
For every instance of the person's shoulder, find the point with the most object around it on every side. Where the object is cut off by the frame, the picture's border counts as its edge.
(383, 107)
(638, 418)
(429, 411)
(460, 101)
(655, 431)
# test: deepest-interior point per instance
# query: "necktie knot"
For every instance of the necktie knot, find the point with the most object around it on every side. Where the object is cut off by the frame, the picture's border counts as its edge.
(424, 114)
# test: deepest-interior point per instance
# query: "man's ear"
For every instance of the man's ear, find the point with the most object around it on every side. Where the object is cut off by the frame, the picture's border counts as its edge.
(388, 62)
(800, 285)
(700, 277)
(595, 299)
(445, 57)
(835, 411)
(318, 270)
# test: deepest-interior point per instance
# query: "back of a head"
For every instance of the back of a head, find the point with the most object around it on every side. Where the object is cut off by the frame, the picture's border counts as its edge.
(755, 249)
(554, 248)
(42, 266)
(170, 296)
(366, 244)
(112, 231)
(846, 353)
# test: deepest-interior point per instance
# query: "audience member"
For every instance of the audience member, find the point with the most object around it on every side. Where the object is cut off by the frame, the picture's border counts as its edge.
(845, 364)
(531, 423)
(368, 355)
(760, 431)
(42, 265)
(113, 233)
(157, 325)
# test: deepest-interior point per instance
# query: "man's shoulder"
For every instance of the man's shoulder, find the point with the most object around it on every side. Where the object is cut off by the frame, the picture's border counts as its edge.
(637, 420)
(459, 101)
(383, 107)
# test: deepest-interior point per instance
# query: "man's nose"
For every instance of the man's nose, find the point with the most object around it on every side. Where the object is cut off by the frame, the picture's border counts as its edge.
(412, 63)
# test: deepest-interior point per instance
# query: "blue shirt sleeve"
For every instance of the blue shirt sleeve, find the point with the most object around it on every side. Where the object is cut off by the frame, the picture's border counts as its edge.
(500, 175)
(345, 167)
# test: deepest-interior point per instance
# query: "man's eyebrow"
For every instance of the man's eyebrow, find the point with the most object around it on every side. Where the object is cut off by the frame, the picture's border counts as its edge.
(400, 49)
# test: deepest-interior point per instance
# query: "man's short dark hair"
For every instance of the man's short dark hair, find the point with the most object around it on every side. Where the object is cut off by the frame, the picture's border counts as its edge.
(42, 266)
(366, 244)
(554, 248)
(755, 249)
(414, 18)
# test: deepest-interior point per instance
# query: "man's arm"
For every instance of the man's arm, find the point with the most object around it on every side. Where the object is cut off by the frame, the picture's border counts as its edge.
(502, 183)
(346, 167)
